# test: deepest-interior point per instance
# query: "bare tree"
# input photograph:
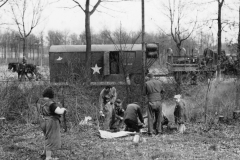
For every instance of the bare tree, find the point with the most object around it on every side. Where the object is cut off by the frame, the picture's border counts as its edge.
(224, 21)
(88, 14)
(238, 67)
(74, 39)
(66, 37)
(176, 14)
(55, 38)
(26, 16)
(219, 34)
(238, 47)
(3, 2)
(120, 38)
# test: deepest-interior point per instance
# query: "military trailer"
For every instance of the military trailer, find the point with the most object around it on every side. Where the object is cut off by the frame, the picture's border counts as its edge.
(110, 64)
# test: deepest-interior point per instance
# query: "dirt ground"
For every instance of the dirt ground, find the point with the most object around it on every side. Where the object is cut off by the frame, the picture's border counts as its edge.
(222, 141)
(201, 141)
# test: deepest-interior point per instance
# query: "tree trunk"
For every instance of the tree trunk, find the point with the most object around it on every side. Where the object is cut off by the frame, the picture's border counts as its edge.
(88, 39)
(42, 50)
(24, 47)
(5, 52)
(179, 49)
(38, 54)
(219, 35)
(206, 100)
(238, 68)
(143, 54)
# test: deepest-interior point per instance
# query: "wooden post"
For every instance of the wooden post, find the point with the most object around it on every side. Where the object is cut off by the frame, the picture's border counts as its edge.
(143, 54)
(236, 113)
(206, 100)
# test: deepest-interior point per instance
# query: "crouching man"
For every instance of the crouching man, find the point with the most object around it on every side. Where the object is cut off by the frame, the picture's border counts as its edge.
(117, 116)
(131, 116)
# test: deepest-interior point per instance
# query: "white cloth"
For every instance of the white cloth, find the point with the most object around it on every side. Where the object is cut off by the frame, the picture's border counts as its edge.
(178, 96)
(108, 135)
(86, 121)
(182, 128)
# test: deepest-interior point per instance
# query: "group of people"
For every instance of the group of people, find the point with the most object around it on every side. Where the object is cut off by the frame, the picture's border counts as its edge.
(115, 116)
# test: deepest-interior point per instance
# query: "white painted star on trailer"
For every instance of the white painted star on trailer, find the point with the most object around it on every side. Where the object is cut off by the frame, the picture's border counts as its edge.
(96, 69)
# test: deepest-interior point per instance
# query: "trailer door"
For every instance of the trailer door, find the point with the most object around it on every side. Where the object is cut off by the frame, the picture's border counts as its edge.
(106, 67)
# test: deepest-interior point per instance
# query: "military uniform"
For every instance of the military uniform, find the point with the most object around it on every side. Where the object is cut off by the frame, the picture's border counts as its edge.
(117, 116)
(131, 116)
(153, 90)
(106, 102)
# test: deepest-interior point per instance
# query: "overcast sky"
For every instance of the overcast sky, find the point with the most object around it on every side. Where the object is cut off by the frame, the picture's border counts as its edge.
(61, 16)
(109, 16)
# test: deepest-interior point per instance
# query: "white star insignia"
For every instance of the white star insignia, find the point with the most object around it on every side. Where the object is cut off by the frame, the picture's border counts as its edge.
(59, 58)
(96, 69)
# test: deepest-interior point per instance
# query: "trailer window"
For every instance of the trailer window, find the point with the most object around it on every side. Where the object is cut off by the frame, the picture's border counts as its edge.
(114, 62)
(121, 60)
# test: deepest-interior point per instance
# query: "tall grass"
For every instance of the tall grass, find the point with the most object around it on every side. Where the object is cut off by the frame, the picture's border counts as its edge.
(221, 100)
(18, 99)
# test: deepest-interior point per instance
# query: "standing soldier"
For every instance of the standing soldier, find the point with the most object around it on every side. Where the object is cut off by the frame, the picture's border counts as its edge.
(154, 89)
(106, 101)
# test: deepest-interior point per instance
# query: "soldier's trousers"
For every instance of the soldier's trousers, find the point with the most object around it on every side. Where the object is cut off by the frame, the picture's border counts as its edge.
(154, 117)
(108, 111)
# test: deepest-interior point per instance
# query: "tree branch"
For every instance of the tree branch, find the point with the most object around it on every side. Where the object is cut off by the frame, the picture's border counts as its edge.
(78, 4)
(95, 7)
(4, 2)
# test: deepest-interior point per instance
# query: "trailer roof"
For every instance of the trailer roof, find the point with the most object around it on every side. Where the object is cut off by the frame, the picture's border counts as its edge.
(105, 47)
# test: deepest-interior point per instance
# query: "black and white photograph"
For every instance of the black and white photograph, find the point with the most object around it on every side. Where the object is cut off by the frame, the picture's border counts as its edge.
(119, 80)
